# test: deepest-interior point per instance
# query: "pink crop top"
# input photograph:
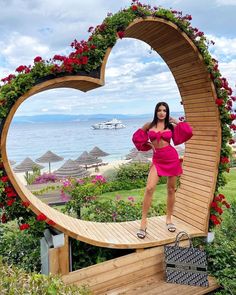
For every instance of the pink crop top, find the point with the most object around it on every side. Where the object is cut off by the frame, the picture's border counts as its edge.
(158, 135)
(181, 133)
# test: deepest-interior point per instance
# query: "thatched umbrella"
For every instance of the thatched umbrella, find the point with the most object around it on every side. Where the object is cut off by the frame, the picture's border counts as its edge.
(139, 158)
(134, 152)
(86, 159)
(27, 165)
(12, 162)
(49, 157)
(71, 168)
(97, 152)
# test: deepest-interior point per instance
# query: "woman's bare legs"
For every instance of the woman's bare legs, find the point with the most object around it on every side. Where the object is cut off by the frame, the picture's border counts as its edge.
(171, 185)
(150, 189)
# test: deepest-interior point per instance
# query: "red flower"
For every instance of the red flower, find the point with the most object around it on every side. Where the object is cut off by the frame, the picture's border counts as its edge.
(21, 68)
(134, 7)
(3, 218)
(93, 46)
(221, 196)
(4, 178)
(219, 101)
(10, 192)
(41, 217)
(232, 116)
(121, 34)
(24, 226)
(84, 60)
(51, 222)
(10, 202)
(59, 57)
(233, 127)
(231, 141)
(214, 219)
(26, 204)
(214, 205)
(219, 210)
(233, 98)
(38, 59)
(224, 160)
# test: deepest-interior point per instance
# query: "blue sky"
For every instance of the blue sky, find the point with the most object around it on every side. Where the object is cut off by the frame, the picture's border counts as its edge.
(136, 78)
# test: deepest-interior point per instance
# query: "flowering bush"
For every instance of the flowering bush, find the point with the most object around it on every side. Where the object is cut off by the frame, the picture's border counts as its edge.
(217, 208)
(45, 178)
(86, 58)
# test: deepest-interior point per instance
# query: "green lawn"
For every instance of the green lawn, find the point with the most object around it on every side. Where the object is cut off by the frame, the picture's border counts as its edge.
(160, 194)
(229, 190)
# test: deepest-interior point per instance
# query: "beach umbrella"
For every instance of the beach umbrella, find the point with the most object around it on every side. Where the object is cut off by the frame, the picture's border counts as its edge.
(86, 159)
(134, 152)
(71, 169)
(139, 158)
(97, 152)
(12, 162)
(27, 165)
(49, 157)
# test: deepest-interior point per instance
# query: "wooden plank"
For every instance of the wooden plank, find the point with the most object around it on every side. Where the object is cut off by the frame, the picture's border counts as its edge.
(196, 180)
(196, 195)
(192, 184)
(193, 145)
(198, 173)
(200, 157)
(196, 220)
(203, 141)
(201, 152)
(194, 190)
(200, 166)
(197, 202)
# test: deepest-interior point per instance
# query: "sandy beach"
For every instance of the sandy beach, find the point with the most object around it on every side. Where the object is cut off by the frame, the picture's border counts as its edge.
(102, 169)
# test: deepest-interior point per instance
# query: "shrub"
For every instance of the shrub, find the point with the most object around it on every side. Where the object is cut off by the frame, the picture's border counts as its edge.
(16, 281)
(222, 253)
(20, 248)
(118, 210)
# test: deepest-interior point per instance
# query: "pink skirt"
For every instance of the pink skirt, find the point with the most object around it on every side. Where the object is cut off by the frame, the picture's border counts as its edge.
(166, 160)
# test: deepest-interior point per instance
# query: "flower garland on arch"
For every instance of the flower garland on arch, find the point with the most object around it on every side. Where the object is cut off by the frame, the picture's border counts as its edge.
(87, 56)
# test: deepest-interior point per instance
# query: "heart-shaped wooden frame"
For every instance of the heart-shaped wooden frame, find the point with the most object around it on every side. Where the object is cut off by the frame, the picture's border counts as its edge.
(202, 154)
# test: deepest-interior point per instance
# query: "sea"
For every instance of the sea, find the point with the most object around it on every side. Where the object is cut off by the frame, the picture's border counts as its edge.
(70, 139)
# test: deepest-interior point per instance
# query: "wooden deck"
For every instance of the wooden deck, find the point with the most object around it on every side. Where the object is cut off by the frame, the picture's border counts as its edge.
(140, 273)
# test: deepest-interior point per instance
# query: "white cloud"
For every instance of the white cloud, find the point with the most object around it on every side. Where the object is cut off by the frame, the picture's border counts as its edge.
(226, 2)
(22, 49)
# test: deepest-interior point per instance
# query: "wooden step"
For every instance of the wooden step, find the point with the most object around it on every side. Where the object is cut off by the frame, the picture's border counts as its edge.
(139, 273)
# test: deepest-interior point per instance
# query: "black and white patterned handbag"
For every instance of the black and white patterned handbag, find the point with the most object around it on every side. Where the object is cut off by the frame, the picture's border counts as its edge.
(185, 265)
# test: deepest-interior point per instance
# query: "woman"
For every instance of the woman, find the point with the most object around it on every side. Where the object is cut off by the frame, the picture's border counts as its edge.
(156, 135)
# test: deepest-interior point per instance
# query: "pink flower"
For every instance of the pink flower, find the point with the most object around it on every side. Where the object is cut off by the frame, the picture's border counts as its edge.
(130, 198)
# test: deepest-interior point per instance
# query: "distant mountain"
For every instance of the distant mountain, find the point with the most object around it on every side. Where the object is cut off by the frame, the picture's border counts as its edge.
(73, 118)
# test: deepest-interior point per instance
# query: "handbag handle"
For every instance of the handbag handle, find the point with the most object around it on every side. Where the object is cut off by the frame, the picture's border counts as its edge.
(179, 237)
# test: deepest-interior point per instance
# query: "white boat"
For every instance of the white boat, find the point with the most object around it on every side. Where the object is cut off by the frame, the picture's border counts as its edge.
(112, 124)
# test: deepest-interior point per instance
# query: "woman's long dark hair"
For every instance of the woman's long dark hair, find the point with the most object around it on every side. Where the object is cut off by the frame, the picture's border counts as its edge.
(155, 118)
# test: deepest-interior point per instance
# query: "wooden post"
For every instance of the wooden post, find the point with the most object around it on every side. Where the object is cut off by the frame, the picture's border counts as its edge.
(59, 259)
